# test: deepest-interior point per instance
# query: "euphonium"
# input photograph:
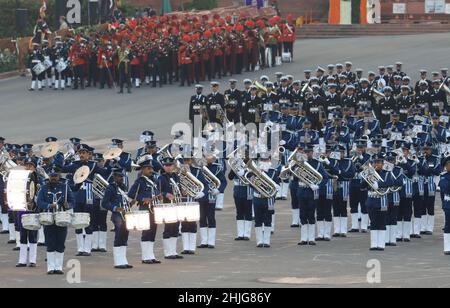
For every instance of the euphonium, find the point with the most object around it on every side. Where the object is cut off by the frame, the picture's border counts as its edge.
(236, 164)
(303, 171)
(99, 186)
(260, 181)
(213, 181)
(164, 152)
(370, 175)
(189, 183)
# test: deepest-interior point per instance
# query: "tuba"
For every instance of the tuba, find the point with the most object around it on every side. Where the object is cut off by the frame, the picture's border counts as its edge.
(303, 171)
(236, 164)
(188, 182)
(370, 175)
(260, 181)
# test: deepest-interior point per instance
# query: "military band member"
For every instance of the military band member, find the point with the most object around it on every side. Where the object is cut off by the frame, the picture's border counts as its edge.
(55, 236)
(116, 201)
(338, 133)
(313, 108)
(34, 58)
(145, 192)
(123, 162)
(351, 77)
(393, 199)
(377, 205)
(251, 108)
(423, 78)
(28, 238)
(386, 106)
(124, 58)
(438, 98)
(408, 191)
(429, 166)
(99, 216)
(333, 100)
(263, 206)
(197, 105)
(59, 54)
(358, 194)
(168, 184)
(84, 196)
(284, 92)
(214, 102)
(308, 198)
(444, 184)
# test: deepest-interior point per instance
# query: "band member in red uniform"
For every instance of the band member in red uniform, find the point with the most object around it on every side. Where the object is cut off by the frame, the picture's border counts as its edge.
(78, 55)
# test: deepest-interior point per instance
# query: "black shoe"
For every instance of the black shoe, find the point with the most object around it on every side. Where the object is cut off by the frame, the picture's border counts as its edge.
(21, 265)
(364, 231)
(190, 252)
(112, 230)
(86, 254)
(156, 261)
(391, 244)
(79, 254)
(373, 249)
(121, 267)
(170, 257)
(302, 243)
(320, 239)
(246, 238)
(11, 242)
(266, 246)
(343, 235)
(211, 247)
(380, 249)
(16, 248)
(147, 262)
(239, 238)
(260, 246)
(102, 250)
(185, 252)
(447, 253)
(51, 273)
(30, 89)
(178, 257)
(326, 239)
(202, 246)
(406, 240)
(4, 232)
(415, 236)
(336, 235)
(58, 272)
(218, 209)
(399, 240)
(353, 231)
(295, 226)
(32, 265)
(428, 233)
(311, 243)
(128, 266)
(423, 232)
(95, 250)
(41, 244)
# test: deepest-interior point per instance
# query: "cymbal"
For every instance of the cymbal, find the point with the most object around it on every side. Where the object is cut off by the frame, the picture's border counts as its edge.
(81, 174)
(112, 153)
(49, 149)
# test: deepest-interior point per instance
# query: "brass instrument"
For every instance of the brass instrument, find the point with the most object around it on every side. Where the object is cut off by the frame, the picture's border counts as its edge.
(370, 175)
(188, 182)
(6, 164)
(236, 164)
(99, 186)
(260, 181)
(302, 170)
(213, 181)
(163, 153)
(262, 89)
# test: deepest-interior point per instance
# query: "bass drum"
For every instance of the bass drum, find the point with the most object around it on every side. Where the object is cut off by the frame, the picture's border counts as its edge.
(20, 189)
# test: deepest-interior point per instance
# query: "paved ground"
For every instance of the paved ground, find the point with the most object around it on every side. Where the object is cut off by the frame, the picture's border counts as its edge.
(98, 115)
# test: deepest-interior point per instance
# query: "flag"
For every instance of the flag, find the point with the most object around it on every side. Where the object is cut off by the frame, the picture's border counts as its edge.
(43, 9)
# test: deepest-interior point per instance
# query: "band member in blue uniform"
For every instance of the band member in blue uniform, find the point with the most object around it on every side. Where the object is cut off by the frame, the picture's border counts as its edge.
(168, 185)
(377, 205)
(308, 197)
(346, 172)
(393, 198)
(84, 196)
(358, 195)
(115, 200)
(408, 191)
(55, 237)
(99, 217)
(429, 167)
(145, 192)
(264, 206)
(123, 162)
(444, 184)
(28, 238)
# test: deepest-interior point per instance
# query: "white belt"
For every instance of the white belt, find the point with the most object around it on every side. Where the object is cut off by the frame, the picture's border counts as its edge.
(302, 185)
(35, 61)
(196, 107)
(403, 110)
(386, 112)
(436, 104)
(373, 195)
(314, 109)
(447, 198)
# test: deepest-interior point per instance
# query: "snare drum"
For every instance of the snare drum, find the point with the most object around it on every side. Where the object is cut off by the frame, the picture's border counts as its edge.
(47, 64)
(39, 68)
(31, 222)
(61, 66)
(63, 218)
(46, 218)
(139, 220)
(286, 57)
(80, 220)
(165, 213)
(188, 211)
(20, 189)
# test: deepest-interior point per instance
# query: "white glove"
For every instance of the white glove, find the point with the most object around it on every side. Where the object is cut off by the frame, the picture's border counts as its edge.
(117, 159)
(326, 161)
(215, 192)
(200, 195)
(417, 161)
(314, 187)
(241, 172)
(368, 131)
(375, 185)
(103, 57)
